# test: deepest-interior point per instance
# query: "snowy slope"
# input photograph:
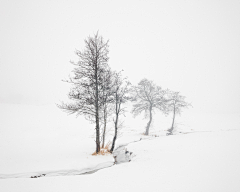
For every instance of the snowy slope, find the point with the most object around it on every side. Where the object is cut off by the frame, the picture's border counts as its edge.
(44, 140)
(191, 162)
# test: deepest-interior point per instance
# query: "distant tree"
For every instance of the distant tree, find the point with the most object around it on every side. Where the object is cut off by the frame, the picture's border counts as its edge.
(87, 81)
(148, 97)
(120, 96)
(176, 103)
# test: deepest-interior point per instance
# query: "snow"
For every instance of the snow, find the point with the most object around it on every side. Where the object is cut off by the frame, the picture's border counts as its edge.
(41, 139)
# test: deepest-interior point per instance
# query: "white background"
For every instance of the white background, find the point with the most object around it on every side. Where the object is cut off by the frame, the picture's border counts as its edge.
(187, 46)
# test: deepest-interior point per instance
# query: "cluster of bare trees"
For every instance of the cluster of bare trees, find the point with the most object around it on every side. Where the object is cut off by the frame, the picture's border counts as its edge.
(98, 93)
(148, 97)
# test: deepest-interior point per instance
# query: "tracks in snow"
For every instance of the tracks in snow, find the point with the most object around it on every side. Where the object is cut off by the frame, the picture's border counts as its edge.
(72, 172)
(58, 173)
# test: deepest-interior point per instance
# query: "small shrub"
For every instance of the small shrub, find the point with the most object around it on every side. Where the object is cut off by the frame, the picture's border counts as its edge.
(105, 150)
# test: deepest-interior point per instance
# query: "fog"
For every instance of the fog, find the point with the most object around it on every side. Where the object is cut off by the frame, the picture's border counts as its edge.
(187, 46)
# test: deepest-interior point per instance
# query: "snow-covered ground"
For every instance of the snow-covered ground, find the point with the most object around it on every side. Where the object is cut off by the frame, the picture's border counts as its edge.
(42, 139)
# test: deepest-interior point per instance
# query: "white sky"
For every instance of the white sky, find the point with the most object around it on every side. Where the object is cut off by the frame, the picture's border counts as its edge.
(187, 46)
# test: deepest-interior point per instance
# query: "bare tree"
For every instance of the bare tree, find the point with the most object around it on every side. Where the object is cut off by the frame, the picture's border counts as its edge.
(120, 90)
(87, 81)
(107, 99)
(176, 103)
(147, 97)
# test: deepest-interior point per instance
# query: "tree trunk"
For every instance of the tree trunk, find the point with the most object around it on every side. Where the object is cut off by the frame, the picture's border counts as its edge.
(97, 135)
(116, 124)
(171, 129)
(150, 120)
(115, 136)
(97, 110)
(104, 129)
